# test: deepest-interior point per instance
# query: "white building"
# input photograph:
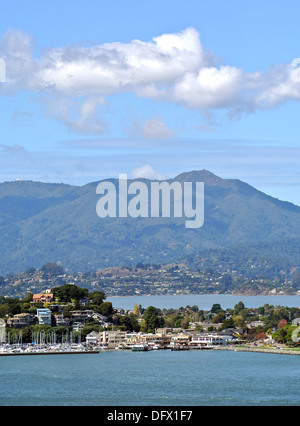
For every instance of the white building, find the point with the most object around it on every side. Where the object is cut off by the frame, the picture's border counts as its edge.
(2, 331)
(93, 338)
(113, 338)
(44, 316)
(210, 340)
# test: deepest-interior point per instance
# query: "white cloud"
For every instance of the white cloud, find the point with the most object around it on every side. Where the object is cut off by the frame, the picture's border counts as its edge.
(210, 88)
(102, 69)
(147, 172)
(153, 128)
(170, 68)
(279, 86)
(80, 116)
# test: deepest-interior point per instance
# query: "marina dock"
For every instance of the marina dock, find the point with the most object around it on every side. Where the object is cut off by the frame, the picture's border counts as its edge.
(48, 353)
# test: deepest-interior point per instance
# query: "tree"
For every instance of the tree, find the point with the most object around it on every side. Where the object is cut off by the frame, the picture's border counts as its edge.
(130, 322)
(28, 298)
(215, 308)
(97, 297)
(238, 308)
(136, 310)
(282, 323)
(218, 318)
(185, 322)
(68, 292)
(229, 323)
(280, 336)
(152, 320)
(106, 309)
(261, 336)
(238, 321)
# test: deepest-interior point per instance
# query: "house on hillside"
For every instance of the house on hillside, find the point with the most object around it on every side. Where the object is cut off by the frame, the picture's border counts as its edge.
(21, 320)
(44, 316)
(43, 298)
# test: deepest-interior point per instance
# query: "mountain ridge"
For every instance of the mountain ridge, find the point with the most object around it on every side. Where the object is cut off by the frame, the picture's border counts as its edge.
(41, 222)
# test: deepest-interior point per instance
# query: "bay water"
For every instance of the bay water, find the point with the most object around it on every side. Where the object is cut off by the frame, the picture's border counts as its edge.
(203, 301)
(156, 378)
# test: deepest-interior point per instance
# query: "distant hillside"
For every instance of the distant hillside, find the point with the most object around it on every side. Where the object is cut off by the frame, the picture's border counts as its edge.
(42, 223)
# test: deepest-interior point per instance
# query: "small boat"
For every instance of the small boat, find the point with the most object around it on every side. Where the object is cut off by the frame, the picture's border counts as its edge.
(156, 348)
(139, 347)
(180, 348)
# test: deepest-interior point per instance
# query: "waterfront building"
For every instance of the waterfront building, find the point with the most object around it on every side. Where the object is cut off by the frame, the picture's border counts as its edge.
(44, 316)
(123, 339)
(181, 339)
(160, 339)
(2, 332)
(21, 320)
(93, 338)
(210, 339)
(113, 338)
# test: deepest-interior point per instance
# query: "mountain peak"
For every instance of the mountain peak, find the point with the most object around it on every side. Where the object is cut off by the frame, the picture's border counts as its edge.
(199, 176)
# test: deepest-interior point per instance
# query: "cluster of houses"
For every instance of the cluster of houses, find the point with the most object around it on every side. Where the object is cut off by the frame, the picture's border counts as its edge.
(44, 317)
(163, 338)
(53, 315)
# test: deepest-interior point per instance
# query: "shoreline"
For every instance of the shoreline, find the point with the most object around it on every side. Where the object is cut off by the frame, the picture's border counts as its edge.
(273, 351)
(259, 350)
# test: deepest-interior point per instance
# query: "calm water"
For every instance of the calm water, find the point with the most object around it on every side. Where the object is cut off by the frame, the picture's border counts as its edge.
(158, 378)
(204, 302)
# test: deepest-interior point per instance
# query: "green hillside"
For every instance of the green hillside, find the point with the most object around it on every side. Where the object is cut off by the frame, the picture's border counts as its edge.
(42, 223)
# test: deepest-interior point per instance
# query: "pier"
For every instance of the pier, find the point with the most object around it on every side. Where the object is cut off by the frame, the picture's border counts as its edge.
(48, 353)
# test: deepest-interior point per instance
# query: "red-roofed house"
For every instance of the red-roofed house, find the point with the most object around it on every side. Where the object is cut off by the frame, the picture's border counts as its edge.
(43, 298)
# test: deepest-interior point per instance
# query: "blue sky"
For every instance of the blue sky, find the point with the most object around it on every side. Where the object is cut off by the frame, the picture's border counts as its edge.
(94, 89)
